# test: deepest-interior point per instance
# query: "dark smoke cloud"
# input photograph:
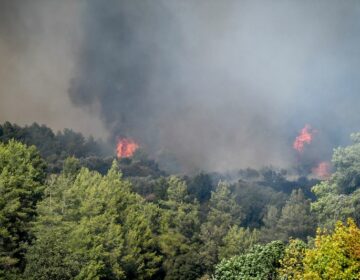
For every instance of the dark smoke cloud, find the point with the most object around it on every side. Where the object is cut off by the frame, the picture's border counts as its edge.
(126, 45)
(39, 40)
(222, 84)
(219, 84)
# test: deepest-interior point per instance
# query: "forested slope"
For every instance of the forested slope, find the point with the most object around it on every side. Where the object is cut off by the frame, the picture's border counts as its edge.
(63, 218)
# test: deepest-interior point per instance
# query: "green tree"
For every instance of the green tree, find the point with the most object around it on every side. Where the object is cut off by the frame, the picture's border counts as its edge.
(331, 206)
(237, 241)
(179, 233)
(346, 161)
(336, 255)
(22, 174)
(260, 262)
(223, 213)
(255, 199)
(293, 220)
(292, 266)
(201, 187)
(269, 231)
(55, 148)
(339, 197)
(50, 256)
(71, 167)
(296, 220)
(106, 230)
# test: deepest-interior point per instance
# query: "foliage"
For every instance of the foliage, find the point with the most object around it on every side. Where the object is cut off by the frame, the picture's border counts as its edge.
(68, 222)
(106, 231)
(50, 257)
(140, 168)
(346, 160)
(270, 229)
(339, 197)
(54, 148)
(254, 200)
(21, 178)
(336, 255)
(275, 179)
(201, 186)
(261, 262)
(223, 213)
(179, 230)
(295, 220)
(291, 265)
(331, 206)
(237, 241)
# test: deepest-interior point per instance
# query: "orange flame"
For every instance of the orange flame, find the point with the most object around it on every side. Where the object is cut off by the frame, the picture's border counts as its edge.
(322, 171)
(126, 148)
(305, 137)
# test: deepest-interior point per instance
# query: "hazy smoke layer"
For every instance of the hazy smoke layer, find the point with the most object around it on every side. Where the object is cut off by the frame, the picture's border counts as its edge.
(39, 40)
(219, 84)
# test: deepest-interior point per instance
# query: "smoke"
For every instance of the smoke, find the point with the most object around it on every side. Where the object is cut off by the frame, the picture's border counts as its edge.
(39, 41)
(218, 84)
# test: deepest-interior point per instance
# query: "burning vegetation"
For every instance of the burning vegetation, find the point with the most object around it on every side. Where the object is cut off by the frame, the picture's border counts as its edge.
(320, 169)
(126, 147)
(305, 137)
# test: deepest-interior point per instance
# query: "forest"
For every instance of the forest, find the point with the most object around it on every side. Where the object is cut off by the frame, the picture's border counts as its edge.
(69, 209)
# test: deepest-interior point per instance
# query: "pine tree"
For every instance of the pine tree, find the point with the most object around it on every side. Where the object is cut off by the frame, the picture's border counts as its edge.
(296, 220)
(237, 241)
(22, 174)
(106, 231)
(223, 213)
(179, 233)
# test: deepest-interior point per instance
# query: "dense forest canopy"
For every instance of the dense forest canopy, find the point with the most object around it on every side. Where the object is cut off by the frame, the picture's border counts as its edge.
(68, 210)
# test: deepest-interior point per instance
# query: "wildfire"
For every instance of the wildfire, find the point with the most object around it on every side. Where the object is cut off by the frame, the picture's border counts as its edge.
(126, 147)
(305, 137)
(322, 171)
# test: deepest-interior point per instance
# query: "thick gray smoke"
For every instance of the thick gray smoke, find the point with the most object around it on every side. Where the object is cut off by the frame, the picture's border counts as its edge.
(39, 42)
(218, 84)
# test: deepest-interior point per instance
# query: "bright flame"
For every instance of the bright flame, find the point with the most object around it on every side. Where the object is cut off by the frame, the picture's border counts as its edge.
(322, 171)
(305, 137)
(126, 148)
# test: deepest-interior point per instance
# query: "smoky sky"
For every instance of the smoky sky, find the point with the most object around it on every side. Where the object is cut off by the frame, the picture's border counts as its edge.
(215, 84)
(39, 41)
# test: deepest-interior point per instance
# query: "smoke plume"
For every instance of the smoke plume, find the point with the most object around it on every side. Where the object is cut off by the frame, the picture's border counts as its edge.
(216, 84)
(39, 41)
